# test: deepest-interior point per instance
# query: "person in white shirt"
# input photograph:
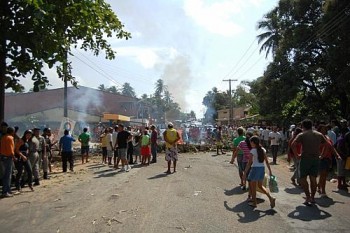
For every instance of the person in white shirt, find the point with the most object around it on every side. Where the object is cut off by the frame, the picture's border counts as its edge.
(275, 138)
(110, 147)
(115, 149)
(265, 135)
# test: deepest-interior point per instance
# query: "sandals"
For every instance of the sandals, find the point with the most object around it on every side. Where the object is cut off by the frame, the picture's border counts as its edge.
(273, 203)
(252, 204)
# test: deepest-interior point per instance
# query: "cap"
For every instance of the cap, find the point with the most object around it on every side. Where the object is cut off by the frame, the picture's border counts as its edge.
(343, 121)
(36, 128)
(170, 124)
(28, 131)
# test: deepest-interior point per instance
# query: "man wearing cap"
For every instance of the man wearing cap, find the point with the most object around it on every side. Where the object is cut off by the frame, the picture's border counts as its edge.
(43, 162)
(154, 137)
(34, 145)
(47, 136)
(171, 137)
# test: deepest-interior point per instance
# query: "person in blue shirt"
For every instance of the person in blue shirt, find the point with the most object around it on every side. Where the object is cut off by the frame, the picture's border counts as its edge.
(66, 151)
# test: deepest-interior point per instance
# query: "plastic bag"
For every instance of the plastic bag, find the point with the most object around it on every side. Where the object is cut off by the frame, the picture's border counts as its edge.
(273, 186)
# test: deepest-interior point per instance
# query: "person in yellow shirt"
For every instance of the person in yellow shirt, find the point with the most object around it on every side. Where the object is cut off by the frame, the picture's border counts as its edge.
(7, 153)
(171, 137)
(104, 144)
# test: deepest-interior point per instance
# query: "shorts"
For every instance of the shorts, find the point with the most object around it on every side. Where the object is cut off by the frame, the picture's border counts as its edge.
(109, 153)
(241, 166)
(122, 153)
(104, 151)
(325, 164)
(171, 154)
(145, 151)
(308, 167)
(256, 174)
(219, 144)
(85, 150)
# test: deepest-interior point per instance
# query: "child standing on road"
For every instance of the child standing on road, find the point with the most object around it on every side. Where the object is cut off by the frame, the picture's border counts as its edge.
(257, 171)
(145, 148)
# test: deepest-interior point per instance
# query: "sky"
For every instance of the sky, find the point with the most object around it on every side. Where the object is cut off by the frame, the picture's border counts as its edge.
(193, 45)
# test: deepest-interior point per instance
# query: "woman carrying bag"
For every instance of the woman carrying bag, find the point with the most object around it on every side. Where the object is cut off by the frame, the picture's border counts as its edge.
(257, 171)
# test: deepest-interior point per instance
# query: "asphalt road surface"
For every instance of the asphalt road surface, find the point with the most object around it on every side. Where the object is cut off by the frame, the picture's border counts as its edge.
(202, 196)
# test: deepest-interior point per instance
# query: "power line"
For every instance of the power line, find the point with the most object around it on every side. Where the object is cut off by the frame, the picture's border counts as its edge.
(234, 68)
(104, 75)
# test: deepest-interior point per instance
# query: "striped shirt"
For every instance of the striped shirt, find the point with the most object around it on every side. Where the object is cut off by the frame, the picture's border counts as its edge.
(246, 151)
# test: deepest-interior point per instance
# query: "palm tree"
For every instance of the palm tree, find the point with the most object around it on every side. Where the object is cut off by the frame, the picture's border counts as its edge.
(271, 37)
(128, 90)
(101, 87)
(159, 88)
(113, 89)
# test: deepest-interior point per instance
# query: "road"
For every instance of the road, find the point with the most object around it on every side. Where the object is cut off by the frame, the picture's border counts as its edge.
(202, 196)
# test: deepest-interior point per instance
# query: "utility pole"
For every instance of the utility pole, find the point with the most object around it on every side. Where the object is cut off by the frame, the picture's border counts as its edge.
(230, 120)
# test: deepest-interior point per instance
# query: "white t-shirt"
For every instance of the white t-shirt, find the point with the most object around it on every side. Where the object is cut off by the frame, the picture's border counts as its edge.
(265, 134)
(256, 162)
(114, 137)
(109, 141)
(275, 138)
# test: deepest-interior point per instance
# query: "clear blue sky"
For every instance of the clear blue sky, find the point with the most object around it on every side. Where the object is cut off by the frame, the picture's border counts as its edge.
(191, 44)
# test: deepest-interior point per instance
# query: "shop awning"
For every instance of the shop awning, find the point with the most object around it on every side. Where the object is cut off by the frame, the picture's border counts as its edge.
(115, 117)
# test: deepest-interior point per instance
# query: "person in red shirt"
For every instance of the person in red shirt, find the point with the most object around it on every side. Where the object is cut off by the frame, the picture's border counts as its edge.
(325, 160)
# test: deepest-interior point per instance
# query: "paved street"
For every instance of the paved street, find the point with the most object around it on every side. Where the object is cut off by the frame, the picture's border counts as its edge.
(202, 196)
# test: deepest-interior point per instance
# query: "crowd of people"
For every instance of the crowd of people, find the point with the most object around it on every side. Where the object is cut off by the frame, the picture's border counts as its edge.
(26, 159)
(315, 149)
(30, 155)
(312, 149)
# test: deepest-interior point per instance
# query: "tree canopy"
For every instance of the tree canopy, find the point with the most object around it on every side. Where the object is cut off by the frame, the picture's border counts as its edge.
(39, 34)
(309, 74)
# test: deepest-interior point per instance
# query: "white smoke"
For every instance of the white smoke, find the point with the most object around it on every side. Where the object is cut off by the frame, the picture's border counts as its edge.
(177, 76)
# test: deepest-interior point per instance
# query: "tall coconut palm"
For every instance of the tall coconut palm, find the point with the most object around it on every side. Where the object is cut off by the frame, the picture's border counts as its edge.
(159, 88)
(271, 36)
(128, 90)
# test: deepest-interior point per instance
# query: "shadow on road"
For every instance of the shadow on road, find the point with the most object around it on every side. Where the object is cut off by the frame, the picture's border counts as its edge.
(326, 202)
(307, 213)
(294, 190)
(108, 174)
(93, 166)
(247, 214)
(161, 175)
(235, 191)
(103, 171)
(342, 192)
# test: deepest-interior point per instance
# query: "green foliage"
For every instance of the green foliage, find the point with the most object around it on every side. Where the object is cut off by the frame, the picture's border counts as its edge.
(308, 76)
(128, 90)
(242, 97)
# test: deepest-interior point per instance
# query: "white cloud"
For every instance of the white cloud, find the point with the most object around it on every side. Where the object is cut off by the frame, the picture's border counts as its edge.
(218, 17)
(147, 57)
